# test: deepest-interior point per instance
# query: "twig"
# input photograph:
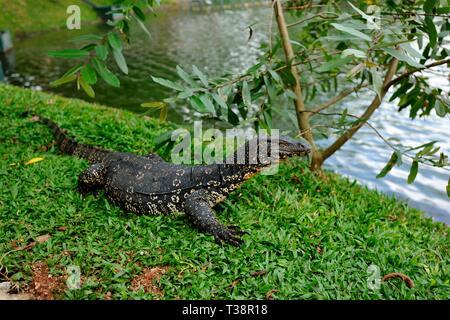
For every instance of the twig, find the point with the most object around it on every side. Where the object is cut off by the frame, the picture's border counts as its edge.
(302, 118)
(337, 98)
(321, 15)
(270, 27)
(409, 13)
(408, 73)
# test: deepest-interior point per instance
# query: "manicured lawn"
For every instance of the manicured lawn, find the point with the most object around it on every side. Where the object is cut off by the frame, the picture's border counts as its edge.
(308, 238)
(22, 16)
(36, 15)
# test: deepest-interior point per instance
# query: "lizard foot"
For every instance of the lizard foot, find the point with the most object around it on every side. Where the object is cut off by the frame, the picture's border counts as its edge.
(230, 235)
(237, 230)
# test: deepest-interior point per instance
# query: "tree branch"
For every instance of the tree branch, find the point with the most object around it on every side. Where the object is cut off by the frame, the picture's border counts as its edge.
(321, 15)
(376, 102)
(337, 98)
(408, 73)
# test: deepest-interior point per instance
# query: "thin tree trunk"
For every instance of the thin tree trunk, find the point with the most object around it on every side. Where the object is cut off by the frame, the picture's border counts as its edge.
(302, 116)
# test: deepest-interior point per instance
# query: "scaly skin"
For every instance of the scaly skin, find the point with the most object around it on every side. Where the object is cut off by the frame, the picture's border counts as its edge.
(150, 185)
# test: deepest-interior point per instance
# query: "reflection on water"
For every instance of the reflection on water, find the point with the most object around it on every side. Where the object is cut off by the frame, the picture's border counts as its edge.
(217, 42)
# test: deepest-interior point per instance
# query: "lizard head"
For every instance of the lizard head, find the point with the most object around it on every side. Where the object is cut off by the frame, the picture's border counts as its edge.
(288, 147)
(265, 150)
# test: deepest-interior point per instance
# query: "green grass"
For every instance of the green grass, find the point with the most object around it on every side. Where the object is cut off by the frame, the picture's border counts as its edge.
(22, 16)
(35, 15)
(314, 239)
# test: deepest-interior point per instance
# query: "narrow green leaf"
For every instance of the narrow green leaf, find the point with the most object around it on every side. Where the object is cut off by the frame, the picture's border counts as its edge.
(429, 5)
(220, 102)
(333, 64)
(267, 119)
(86, 87)
(143, 27)
(352, 31)
(154, 104)
(389, 165)
(186, 77)
(440, 108)
(355, 70)
(120, 60)
(232, 117)
(443, 10)
(399, 161)
(448, 188)
(138, 12)
(168, 83)
(109, 77)
(101, 51)
(270, 89)
(63, 79)
(69, 53)
(275, 76)
(413, 172)
(343, 117)
(197, 104)
(431, 31)
(88, 74)
(290, 94)
(200, 75)
(246, 96)
(377, 82)
(163, 113)
(422, 145)
(254, 68)
(411, 51)
(425, 151)
(402, 90)
(403, 57)
(73, 70)
(208, 103)
(364, 15)
(114, 41)
(354, 52)
(185, 94)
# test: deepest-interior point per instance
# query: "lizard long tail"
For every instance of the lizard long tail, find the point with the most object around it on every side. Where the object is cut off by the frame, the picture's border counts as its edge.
(69, 145)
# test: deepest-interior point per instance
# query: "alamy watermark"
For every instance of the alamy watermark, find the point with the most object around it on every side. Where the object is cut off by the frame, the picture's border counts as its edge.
(374, 277)
(73, 22)
(73, 277)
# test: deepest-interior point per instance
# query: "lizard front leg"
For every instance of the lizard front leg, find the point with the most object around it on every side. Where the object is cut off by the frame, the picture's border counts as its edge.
(199, 212)
(92, 179)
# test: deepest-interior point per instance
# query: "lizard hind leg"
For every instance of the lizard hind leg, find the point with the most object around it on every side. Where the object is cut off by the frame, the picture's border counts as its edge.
(92, 179)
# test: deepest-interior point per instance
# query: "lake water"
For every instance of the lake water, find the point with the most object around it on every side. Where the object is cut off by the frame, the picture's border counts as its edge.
(217, 42)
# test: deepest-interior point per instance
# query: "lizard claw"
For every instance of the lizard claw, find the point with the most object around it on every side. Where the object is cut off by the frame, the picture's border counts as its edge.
(237, 230)
(230, 235)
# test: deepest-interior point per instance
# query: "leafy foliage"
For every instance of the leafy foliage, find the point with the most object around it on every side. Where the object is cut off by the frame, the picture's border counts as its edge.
(96, 49)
